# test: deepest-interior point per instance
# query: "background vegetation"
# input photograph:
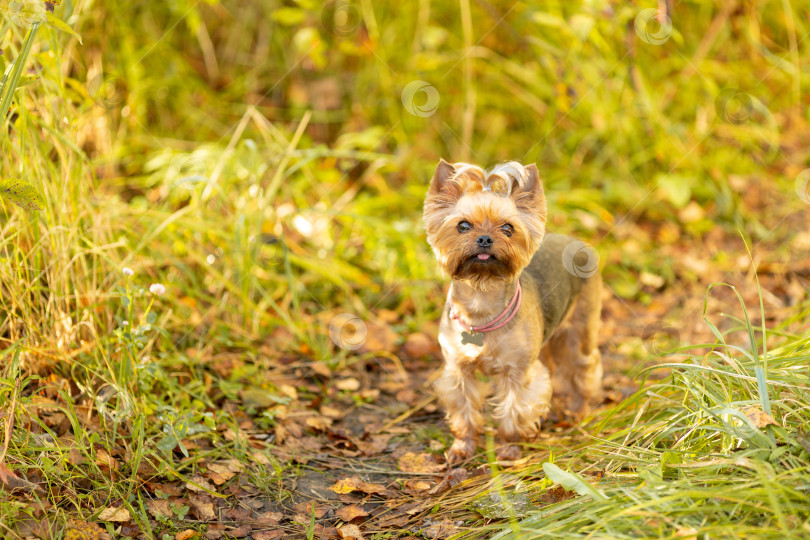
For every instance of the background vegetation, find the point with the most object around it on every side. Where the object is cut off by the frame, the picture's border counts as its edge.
(266, 163)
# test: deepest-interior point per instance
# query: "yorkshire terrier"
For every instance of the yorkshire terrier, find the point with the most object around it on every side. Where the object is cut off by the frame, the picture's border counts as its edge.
(523, 305)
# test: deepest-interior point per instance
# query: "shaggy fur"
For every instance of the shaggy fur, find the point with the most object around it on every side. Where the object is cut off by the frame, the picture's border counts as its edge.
(555, 329)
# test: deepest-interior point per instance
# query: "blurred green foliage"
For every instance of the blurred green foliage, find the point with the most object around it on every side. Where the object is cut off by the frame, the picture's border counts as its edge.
(279, 152)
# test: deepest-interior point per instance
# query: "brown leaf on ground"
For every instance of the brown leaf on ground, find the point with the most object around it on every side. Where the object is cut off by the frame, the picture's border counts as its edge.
(379, 337)
(376, 444)
(215, 531)
(319, 423)
(349, 384)
(392, 522)
(308, 507)
(331, 412)
(759, 418)
(418, 345)
(417, 485)
(159, 508)
(453, 477)
(75, 457)
(78, 529)
(203, 506)
(185, 535)
(115, 515)
(14, 482)
(350, 532)
(104, 459)
(347, 485)
(219, 473)
(198, 483)
(321, 369)
(239, 532)
(348, 513)
(269, 518)
(443, 529)
(420, 463)
(268, 535)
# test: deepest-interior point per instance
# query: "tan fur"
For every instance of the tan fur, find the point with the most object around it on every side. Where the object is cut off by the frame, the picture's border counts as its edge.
(511, 356)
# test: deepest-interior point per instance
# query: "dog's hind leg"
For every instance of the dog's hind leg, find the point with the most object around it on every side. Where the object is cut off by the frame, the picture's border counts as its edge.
(574, 346)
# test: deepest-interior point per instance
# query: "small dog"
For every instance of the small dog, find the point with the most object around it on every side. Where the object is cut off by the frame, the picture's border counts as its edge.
(522, 304)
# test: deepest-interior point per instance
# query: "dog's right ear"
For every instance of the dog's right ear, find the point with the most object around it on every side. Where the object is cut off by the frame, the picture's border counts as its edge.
(444, 172)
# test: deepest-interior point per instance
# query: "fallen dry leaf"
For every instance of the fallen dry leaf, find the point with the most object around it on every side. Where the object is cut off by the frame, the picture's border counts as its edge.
(351, 511)
(418, 345)
(351, 384)
(420, 463)
(319, 423)
(185, 535)
(269, 518)
(759, 418)
(350, 532)
(116, 515)
(198, 483)
(268, 535)
(443, 529)
(347, 485)
(377, 444)
(104, 459)
(308, 507)
(379, 337)
(14, 482)
(159, 508)
(330, 412)
(205, 509)
(78, 529)
(417, 485)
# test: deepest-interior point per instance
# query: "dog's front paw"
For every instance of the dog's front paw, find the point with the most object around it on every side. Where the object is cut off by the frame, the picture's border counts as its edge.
(460, 450)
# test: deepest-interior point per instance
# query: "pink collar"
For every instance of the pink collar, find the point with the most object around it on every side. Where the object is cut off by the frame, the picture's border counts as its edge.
(510, 312)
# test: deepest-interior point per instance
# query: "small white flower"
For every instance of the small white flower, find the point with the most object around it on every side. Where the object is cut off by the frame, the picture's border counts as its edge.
(125, 323)
(128, 271)
(157, 289)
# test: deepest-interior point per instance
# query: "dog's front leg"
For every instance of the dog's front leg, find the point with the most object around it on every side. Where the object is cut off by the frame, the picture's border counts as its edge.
(522, 398)
(460, 394)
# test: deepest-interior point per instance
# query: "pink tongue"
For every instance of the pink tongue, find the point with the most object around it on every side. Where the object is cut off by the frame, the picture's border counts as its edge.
(483, 256)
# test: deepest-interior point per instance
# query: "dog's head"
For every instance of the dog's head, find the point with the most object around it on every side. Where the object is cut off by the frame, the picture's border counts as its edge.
(485, 225)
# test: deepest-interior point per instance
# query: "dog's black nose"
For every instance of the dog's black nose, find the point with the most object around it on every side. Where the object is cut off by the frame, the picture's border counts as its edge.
(484, 240)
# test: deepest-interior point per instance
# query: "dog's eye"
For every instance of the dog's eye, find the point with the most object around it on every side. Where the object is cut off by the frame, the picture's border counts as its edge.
(507, 229)
(464, 226)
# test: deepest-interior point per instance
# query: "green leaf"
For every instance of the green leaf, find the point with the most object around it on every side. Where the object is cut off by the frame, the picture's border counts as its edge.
(59, 24)
(571, 481)
(21, 193)
(676, 189)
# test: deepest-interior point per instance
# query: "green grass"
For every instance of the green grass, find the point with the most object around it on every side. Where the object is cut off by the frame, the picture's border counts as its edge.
(260, 164)
(681, 459)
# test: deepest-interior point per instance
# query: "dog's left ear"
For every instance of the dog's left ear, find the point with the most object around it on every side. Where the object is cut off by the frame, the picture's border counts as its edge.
(530, 200)
(444, 172)
(533, 184)
(531, 191)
